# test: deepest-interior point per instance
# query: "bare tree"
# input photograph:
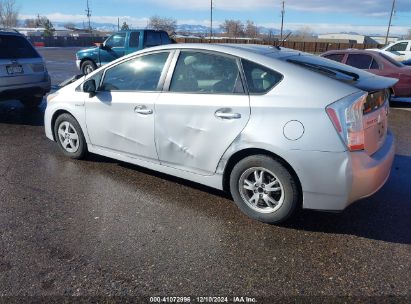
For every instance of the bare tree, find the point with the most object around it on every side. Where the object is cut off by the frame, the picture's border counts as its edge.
(125, 26)
(251, 30)
(162, 23)
(9, 13)
(233, 28)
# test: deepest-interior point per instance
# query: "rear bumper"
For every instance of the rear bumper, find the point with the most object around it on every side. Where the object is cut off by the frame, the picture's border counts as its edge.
(369, 173)
(24, 90)
(344, 178)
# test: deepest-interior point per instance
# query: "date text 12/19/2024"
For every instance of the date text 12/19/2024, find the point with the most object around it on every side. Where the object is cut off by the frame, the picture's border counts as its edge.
(202, 300)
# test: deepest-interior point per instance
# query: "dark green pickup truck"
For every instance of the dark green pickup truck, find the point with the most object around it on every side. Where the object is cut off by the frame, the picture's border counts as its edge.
(118, 45)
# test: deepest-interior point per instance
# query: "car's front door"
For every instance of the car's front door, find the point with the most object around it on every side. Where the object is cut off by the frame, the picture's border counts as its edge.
(401, 50)
(121, 115)
(113, 48)
(202, 113)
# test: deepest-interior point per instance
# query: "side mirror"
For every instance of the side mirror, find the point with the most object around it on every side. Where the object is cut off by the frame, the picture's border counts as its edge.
(105, 47)
(90, 87)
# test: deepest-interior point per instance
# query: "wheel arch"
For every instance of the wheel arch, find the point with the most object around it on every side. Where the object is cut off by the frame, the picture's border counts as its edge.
(54, 118)
(240, 155)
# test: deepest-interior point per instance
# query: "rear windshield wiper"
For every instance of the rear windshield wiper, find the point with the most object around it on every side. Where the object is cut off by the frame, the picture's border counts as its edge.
(326, 69)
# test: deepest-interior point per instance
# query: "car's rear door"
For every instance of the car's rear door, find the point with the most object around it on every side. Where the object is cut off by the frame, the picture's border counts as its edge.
(203, 109)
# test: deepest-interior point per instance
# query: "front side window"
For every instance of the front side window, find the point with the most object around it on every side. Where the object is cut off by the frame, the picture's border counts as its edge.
(260, 79)
(198, 72)
(360, 61)
(139, 74)
(117, 40)
(335, 57)
(399, 47)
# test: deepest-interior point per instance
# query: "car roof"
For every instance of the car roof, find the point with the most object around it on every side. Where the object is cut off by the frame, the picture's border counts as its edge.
(239, 50)
(350, 51)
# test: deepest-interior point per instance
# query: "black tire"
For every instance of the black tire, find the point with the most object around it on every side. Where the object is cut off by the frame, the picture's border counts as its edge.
(264, 211)
(31, 102)
(76, 149)
(88, 66)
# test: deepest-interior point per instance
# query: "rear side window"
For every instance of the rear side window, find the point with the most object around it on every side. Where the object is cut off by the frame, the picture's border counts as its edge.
(259, 78)
(360, 61)
(16, 47)
(335, 57)
(153, 38)
(165, 39)
(198, 72)
(134, 39)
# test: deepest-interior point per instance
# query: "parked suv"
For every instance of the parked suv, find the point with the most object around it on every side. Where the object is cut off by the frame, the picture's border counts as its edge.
(23, 73)
(117, 45)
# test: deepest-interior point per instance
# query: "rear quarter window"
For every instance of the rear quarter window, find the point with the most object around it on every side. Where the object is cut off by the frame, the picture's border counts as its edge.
(16, 47)
(260, 79)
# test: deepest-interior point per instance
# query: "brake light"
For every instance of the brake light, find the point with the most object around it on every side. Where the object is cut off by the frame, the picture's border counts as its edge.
(347, 118)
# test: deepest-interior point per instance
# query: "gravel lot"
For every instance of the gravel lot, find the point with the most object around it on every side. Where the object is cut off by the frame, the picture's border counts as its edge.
(100, 227)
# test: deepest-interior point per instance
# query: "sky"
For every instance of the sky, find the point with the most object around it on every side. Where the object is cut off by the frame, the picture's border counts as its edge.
(321, 16)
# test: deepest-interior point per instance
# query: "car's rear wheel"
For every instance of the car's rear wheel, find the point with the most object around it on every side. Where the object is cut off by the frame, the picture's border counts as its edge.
(87, 67)
(70, 137)
(264, 189)
(31, 102)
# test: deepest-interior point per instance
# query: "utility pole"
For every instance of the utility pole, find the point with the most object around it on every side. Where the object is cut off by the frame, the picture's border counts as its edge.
(118, 24)
(88, 11)
(211, 19)
(282, 19)
(389, 24)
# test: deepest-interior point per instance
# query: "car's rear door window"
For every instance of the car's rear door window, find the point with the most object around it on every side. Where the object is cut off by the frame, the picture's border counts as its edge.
(198, 72)
(260, 79)
(134, 39)
(335, 57)
(360, 61)
(16, 47)
(139, 74)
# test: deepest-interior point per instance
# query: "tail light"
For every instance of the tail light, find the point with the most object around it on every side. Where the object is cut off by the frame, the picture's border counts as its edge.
(347, 118)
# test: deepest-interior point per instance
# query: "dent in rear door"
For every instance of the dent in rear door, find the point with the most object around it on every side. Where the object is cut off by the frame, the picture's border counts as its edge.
(194, 129)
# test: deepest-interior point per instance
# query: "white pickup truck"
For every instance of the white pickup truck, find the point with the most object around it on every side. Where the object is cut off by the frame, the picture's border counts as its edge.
(400, 50)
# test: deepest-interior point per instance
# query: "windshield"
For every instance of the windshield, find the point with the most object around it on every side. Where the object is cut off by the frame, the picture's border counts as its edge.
(16, 47)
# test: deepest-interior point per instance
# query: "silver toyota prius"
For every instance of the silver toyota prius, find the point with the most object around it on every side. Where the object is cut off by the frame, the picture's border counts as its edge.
(276, 128)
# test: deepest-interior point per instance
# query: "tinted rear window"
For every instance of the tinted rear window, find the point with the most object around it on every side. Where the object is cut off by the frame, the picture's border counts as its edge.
(153, 39)
(16, 47)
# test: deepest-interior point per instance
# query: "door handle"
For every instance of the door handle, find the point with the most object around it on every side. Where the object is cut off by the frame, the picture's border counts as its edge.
(143, 110)
(224, 114)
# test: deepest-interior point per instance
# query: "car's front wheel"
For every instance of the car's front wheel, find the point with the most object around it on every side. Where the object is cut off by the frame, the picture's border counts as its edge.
(264, 189)
(69, 136)
(87, 67)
